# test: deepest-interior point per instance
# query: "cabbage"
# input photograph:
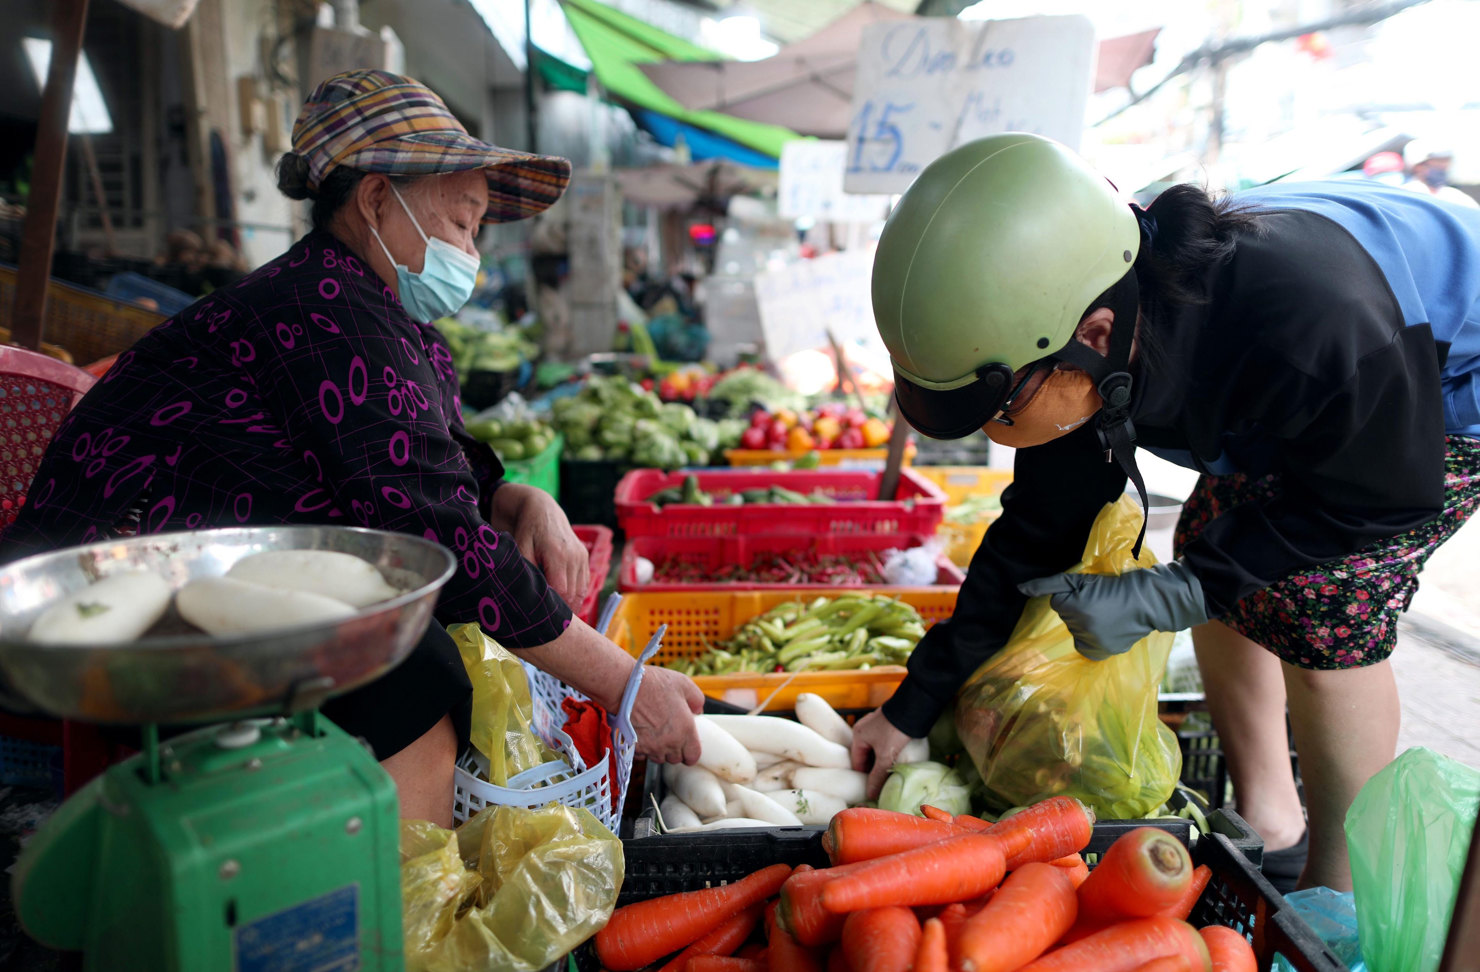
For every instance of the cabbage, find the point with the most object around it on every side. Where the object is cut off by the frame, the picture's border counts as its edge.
(912, 784)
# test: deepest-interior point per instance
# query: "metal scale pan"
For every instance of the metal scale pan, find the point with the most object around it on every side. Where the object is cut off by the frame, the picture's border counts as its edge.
(190, 677)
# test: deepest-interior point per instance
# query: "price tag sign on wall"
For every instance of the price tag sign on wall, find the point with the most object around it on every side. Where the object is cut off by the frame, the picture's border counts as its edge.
(812, 185)
(924, 87)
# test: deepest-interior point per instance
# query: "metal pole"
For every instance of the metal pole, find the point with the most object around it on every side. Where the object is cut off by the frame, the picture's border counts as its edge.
(38, 232)
(531, 128)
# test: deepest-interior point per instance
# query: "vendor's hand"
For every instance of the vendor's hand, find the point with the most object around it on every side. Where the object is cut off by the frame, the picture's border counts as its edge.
(543, 535)
(663, 716)
(1108, 614)
(876, 736)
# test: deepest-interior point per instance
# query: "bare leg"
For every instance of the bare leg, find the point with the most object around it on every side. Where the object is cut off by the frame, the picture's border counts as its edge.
(1246, 698)
(1345, 723)
(423, 774)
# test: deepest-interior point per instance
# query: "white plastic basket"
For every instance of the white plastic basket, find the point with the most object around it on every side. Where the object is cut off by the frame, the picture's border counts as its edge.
(568, 780)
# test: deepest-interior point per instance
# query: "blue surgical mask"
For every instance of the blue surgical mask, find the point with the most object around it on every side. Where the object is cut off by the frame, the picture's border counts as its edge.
(1434, 177)
(446, 279)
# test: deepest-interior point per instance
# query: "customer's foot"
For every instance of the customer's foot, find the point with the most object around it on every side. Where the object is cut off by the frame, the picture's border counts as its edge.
(1282, 867)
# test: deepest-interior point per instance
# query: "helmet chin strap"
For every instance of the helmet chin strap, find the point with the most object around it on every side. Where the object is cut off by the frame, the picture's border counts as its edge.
(1112, 377)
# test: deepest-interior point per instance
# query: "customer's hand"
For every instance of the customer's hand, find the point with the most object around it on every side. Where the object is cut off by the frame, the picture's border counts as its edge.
(544, 537)
(876, 736)
(663, 716)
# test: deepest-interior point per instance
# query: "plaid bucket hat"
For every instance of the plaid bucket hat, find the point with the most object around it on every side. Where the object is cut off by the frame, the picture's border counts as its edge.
(376, 121)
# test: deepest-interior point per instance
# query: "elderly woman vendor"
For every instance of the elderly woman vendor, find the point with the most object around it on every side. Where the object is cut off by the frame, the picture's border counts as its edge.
(315, 390)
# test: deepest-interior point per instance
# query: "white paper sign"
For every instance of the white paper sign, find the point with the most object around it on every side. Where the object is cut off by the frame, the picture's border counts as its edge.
(926, 86)
(800, 303)
(812, 185)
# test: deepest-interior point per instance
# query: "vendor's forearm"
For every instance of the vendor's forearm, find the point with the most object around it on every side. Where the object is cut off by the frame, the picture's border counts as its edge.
(503, 507)
(586, 661)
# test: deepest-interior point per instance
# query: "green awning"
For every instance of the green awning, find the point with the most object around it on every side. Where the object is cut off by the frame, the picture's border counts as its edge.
(617, 42)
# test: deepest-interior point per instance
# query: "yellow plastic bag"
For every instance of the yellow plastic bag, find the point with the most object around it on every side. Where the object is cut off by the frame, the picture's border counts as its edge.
(543, 882)
(1038, 719)
(502, 723)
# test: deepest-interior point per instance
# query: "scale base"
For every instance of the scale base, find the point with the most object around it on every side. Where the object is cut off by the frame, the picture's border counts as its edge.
(269, 845)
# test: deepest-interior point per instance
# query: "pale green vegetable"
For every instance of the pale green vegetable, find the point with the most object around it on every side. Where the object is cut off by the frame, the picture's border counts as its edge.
(911, 785)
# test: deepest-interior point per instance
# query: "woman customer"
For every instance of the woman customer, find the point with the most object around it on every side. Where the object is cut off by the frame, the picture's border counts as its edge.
(316, 390)
(1310, 349)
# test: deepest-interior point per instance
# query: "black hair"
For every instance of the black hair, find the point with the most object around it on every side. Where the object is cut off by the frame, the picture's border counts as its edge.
(333, 192)
(1184, 232)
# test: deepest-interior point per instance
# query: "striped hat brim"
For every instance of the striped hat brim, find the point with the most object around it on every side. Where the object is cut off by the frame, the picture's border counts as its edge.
(520, 184)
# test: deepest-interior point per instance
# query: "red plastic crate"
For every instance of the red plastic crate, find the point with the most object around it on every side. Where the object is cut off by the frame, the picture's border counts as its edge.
(917, 511)
(598, 541)
(713, 552)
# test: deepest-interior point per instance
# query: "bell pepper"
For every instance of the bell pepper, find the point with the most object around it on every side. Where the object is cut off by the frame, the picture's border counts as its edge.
(851, 439)
(875, 433)
(799, 440)
(827, 428)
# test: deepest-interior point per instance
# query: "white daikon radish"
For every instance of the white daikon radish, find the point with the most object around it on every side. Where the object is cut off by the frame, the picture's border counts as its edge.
(721, 754)
(776, 777)
(793, 740)
(227, 606)
(725, 823)
(696, 787)
(341, 576)
(811, 807)
(763, 760)
(847, 785)
(814, 713)
(111, 611)
(735, 808)
(761, 807)
(914, 751)
(676, 813)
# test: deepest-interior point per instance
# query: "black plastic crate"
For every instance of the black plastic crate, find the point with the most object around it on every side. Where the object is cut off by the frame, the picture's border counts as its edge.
(1237, 894)
(588, 490)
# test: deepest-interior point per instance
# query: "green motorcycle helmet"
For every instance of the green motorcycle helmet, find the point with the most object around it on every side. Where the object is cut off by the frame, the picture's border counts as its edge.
(988, 263)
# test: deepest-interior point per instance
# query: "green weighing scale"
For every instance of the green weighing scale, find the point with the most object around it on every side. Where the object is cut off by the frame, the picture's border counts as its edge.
(266, 841)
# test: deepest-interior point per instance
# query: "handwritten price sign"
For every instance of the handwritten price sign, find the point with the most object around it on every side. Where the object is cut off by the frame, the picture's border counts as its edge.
(924, 87)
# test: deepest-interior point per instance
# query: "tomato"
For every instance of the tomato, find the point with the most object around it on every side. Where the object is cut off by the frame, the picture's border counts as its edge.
(855, 418)
(760, 419)
(753, 438)
(851, 439)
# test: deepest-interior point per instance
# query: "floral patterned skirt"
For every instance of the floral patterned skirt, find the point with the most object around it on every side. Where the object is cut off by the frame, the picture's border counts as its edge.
(1344, 613)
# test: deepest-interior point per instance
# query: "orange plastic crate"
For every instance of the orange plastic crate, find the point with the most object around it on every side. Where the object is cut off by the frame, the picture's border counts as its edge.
(698, 620)
(847, 458)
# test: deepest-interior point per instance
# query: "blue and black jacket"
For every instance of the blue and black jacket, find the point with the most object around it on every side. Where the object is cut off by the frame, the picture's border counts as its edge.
(1337, 346)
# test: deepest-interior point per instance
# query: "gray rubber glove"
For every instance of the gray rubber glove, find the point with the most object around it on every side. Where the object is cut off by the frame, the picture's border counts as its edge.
(1107, 614)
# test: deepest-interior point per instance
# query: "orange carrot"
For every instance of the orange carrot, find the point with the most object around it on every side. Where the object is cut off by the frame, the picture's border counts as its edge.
(1127, 946)
(935, 813)
(725, 963)
(1049, 829)
(932, 955)
(1077, 870)
(1167, 963)
(972, 907)
(837, 960)
(881, 940)
(1144, 872)
(1200, 877)
(973, 823)
(948, 870)
(864, 833)
(723, 940)
(1228, 950)
(785, 953)
(801, 912)
(754, 950)
(953, 919)
(643, 932)
(1034, 906)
